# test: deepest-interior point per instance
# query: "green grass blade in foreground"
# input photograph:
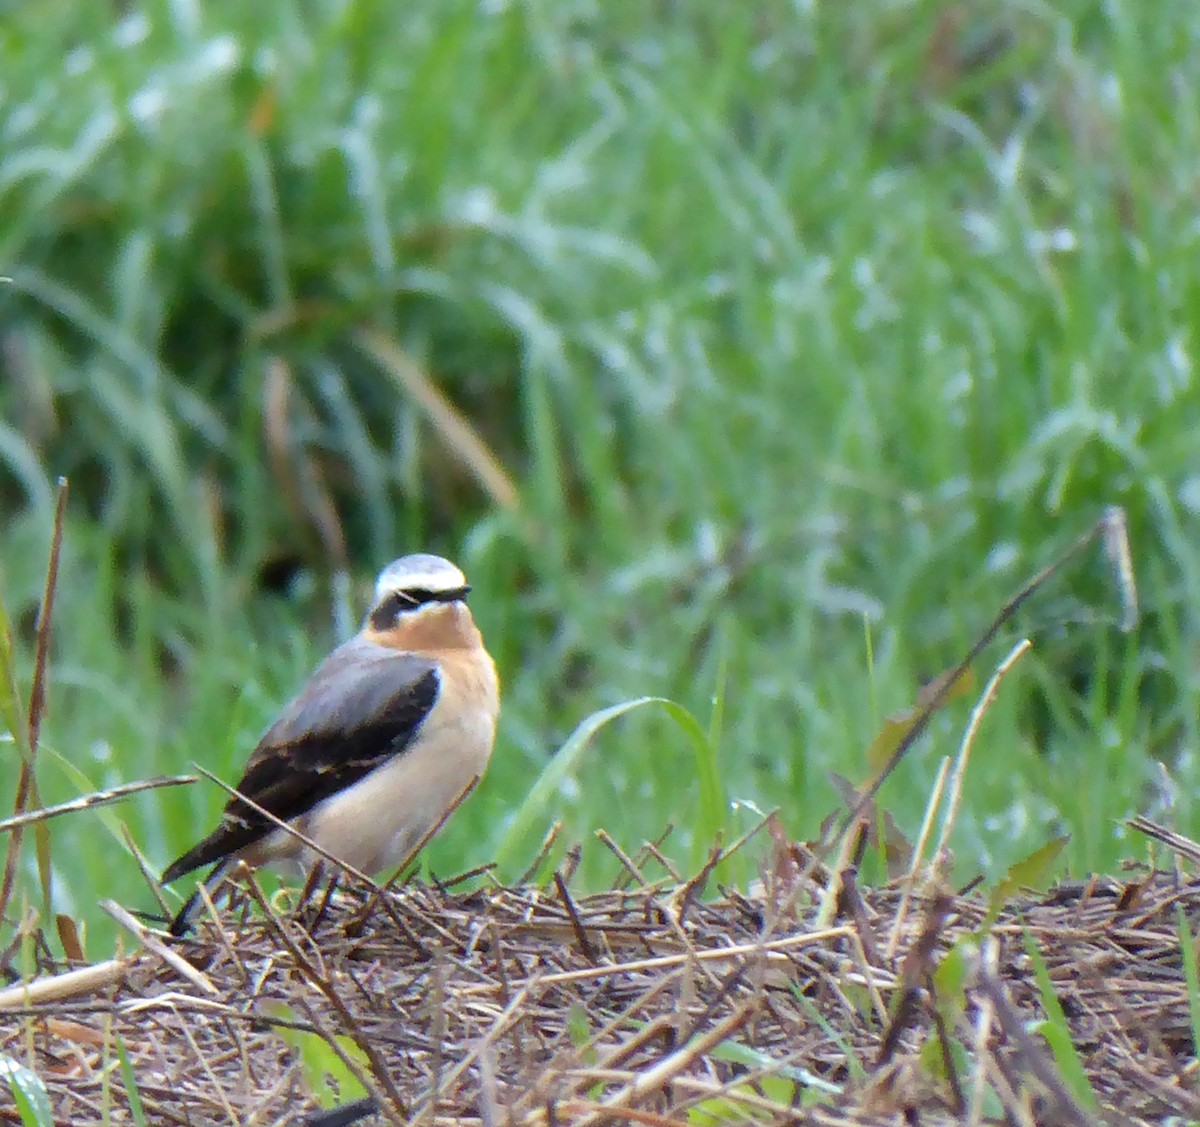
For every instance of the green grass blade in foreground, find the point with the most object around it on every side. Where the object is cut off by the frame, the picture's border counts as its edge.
(29, 1094)
(136, 1112)
(711, 820)
(1191, 973)
(332, 1081)
(522, 827)
(1057, 1031)
(107, 814)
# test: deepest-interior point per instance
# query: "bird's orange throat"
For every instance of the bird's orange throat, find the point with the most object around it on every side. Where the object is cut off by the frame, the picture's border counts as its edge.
(444, 626)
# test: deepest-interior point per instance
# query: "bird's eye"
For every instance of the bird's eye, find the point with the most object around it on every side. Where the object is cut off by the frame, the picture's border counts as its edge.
(384, 616)
(396, 603)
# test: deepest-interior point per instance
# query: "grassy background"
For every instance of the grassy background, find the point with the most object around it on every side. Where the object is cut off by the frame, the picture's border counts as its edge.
(805, 332)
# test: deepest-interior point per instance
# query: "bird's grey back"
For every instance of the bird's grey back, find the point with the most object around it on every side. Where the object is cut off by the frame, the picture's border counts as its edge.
(353, 686)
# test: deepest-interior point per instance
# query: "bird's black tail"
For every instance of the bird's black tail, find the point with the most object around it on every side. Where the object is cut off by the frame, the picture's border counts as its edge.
(186, 916)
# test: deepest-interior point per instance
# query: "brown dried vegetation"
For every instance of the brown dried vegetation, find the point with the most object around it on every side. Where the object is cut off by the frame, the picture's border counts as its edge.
(647, 1005)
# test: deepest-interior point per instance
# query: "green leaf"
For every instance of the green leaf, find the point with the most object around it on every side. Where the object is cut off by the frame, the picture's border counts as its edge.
(899, 724)
(1191, 973)
(950, 982)
(716, 1111)
(331, 1081)
(86, 785)
(1057, 1032)
(131, 1088)
(1033, 871)
(727, 1109)
(29, 1094)
(854, 1065)
(579, 1029)
(740, 1053)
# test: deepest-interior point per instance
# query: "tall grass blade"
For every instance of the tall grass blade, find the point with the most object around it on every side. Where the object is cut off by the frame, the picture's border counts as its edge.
(1057, 1032)
(1191, 973)
(132, 1094)
(523, 822)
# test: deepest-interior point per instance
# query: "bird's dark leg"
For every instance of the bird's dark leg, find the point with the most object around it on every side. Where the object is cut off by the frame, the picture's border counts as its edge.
(186, 916)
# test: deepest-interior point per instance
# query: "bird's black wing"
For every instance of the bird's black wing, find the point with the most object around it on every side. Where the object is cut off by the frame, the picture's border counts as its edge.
(363, 706)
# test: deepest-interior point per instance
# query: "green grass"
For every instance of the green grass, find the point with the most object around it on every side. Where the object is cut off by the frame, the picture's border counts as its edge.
(782, 318)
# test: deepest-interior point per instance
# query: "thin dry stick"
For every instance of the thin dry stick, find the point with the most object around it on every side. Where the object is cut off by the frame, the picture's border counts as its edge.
(446, 884)
(1006, 1088)
(740, 1088)
(683, 896)
(870, 979)
(833, 886)
(1035, 1059)
(27, 790)
(581, 935)
(462, 439)
(739, 843)
(149, 875)
(214, 1085)
(989, 956)
(968, 741)
(547, 844)
(910, 878)
(1109, 527)
(1182, 845)
(430, 834)
(720, 954)
(379, 1083)
(650, 1032)
(60, 987)
(145, 936)
(651, 849)
(206, 899)
(653, 1079)
(437, 1032)
(625, 860)
(389, 885)
(636, 1115)
(514, 1011)
(627, 1018)
(370, 1104)
(489, 1100)
(93, 800)
(37, 691)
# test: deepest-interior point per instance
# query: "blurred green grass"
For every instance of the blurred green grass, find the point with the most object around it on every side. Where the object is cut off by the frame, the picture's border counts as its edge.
(786, 320)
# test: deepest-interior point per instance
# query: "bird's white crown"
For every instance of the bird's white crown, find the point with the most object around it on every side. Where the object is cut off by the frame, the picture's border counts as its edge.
(419, 572)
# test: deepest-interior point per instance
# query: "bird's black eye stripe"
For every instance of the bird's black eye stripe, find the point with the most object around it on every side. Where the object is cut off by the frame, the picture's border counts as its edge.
(399, 602)
(418, 596)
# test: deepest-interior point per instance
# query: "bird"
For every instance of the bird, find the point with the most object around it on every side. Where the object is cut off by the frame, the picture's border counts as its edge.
(392, 729)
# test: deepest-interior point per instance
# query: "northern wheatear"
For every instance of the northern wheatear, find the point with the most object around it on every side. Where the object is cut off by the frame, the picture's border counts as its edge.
(392, 728)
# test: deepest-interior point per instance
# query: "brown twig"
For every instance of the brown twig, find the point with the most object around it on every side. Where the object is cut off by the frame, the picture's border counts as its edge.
(27, 790)
(93, 800)
(1109, 527)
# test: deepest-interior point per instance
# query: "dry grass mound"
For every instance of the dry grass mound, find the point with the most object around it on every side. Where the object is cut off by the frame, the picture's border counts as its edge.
(648, 1005)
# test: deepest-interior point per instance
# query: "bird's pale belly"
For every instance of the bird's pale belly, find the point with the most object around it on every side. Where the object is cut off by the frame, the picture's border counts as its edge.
(376, 823)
